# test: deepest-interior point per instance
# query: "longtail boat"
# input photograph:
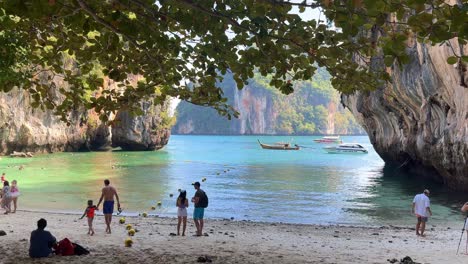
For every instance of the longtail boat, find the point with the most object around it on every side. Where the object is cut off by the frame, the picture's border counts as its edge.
(279, 146)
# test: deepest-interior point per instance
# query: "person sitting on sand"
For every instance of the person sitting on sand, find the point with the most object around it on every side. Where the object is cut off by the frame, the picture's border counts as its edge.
(182, 204)
(6, 197)
(14, 193)
(89, 212)
(421, 208)
(108, 193)
(41, 241)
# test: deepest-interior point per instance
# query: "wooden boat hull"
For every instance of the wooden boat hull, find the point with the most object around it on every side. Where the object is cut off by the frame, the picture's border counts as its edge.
(278, 147)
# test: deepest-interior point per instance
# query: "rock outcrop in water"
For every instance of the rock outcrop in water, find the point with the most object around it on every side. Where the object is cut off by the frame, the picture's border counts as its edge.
(420, 121)
(141, 132)
(24, 129)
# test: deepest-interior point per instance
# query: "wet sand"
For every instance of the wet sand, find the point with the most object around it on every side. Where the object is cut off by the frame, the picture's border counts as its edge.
(231, 242)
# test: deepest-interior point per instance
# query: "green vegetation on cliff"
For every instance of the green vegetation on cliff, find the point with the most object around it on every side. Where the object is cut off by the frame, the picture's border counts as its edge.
(313, 109)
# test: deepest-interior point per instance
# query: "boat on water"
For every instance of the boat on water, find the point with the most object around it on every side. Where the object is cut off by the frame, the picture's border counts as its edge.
(350, 148)
(279, 146)
(329, 139)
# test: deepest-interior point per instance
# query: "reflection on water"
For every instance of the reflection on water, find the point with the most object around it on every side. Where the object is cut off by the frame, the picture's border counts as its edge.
(243, 181)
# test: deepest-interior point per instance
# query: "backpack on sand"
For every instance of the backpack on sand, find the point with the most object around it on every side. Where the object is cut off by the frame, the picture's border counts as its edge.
(65, 248)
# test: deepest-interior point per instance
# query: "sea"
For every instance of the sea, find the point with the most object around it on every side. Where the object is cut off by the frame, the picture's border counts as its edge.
(242, 180)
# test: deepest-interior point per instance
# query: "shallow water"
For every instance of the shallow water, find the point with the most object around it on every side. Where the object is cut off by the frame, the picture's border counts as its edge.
(243, 181)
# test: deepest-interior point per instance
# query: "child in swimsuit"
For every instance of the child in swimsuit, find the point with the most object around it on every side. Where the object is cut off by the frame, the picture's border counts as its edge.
(14, 193)
(89, 212)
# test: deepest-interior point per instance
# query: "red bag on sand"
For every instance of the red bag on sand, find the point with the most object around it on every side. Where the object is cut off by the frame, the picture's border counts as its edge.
(65, 248)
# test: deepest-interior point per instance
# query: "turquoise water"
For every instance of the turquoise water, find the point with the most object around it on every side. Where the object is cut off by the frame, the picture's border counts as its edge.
(242, 181)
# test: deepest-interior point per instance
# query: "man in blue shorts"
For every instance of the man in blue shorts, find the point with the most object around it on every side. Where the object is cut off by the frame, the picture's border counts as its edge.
(108, 193)
(201, 201)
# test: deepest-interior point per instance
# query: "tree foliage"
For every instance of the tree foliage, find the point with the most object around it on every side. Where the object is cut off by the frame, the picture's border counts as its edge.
(172, 43)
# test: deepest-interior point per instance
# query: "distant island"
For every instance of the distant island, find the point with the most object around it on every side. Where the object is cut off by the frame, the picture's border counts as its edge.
(313, 109)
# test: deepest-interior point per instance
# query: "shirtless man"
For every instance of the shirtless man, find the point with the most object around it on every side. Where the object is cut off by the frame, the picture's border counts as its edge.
(108, 193)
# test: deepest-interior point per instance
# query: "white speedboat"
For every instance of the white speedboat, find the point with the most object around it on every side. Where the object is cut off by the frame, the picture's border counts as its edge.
(329, 139)
(351, 148)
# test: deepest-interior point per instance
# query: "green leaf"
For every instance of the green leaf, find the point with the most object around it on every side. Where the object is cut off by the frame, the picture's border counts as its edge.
(452, 60)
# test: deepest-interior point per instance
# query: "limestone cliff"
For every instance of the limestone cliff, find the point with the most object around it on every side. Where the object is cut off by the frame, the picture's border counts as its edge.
(140, 132)
(420, 120)
(312, 109)
(23, 128)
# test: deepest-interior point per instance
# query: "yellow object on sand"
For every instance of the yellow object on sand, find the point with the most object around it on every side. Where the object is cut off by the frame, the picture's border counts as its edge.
(159, 203)
(122, 220)
(128, 242)
(129, 226)
(145, 214)
(131, 232)
(153, 207)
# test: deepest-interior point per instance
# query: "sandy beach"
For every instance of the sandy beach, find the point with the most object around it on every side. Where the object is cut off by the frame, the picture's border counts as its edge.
(231, 242)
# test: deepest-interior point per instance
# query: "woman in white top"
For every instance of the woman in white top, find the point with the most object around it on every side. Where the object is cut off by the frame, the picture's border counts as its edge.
(182, 204)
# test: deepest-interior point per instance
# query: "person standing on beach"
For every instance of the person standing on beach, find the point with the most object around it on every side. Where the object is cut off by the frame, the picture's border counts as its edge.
(182, 204)
(3, 177)
(421, 208)
(14, 191)
(89, 213)
(108, 193)
(6, 197)
(200, 200)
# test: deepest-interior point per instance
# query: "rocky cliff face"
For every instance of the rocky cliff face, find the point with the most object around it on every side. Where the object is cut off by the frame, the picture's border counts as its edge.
(140, 132)
(26, 129)
(312, 109)
(23, 128)
(257, 113)
(420, 121)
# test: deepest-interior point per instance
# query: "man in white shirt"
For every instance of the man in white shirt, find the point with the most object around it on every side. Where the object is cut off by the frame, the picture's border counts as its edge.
(422, 210)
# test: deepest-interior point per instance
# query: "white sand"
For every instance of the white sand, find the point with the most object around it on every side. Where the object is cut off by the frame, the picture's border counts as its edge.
(231, 242)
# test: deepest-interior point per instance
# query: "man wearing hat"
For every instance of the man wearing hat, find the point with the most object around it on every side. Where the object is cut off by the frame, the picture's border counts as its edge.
(421, 208)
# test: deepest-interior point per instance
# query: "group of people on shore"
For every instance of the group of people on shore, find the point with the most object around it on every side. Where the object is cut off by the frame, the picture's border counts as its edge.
(200, 201)
(42, 242)
(9, 194)
(420, 208)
